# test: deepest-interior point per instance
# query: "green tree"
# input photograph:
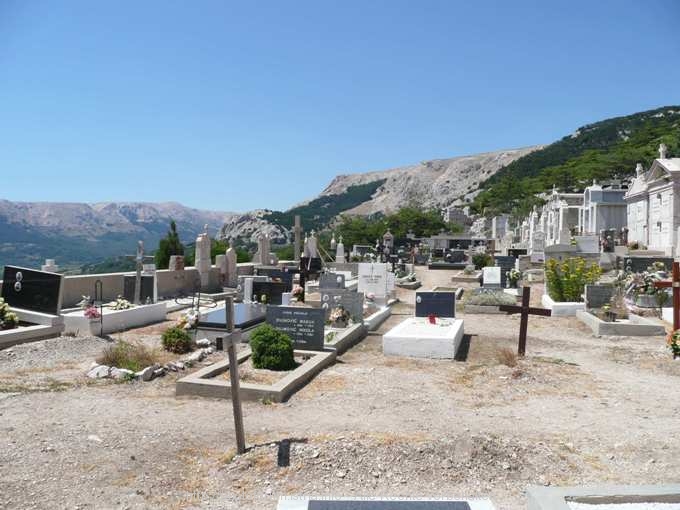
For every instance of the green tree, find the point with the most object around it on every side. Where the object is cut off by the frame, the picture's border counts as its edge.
(168, 246)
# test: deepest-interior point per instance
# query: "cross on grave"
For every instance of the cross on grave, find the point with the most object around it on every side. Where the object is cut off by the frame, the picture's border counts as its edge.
(139, 259)
(675, 285)
(525, 310)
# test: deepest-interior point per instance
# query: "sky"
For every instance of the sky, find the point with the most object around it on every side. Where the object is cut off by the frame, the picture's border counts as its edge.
(236, 106)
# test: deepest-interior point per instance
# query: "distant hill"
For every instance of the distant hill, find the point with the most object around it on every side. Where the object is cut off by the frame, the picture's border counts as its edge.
(76, 234)
(600, 151)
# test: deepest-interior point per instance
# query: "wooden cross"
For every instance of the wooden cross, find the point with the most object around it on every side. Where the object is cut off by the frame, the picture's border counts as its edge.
(525, 310)
(675, 284)
(231, 338)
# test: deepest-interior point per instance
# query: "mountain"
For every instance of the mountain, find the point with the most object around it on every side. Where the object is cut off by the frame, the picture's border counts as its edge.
(603, 150)
(77, 234)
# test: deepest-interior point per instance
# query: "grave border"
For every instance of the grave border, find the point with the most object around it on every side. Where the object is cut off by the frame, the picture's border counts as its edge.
(555, 498)
(562, 308)
(638, 326)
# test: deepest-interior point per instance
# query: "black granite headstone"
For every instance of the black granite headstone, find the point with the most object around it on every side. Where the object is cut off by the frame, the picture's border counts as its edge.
(272, 290)
(640, 264)
(278, 274)
(441, 304)
(38, 291)
(516, 252)
(386, 505)
(304, 325)
(146, 292)
(313, 265)
(351, 301)
(331, 281)
(506, 264)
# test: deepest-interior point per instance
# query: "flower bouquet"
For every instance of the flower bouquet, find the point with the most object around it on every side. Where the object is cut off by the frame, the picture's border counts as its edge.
(513, 276)
(339, 317)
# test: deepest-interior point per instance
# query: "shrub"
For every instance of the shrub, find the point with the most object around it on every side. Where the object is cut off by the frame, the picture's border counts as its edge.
(506, 357)
(565, 281)
(177, 340)
(8, 319)
(123, 354)
(272, 349)
(481, 260)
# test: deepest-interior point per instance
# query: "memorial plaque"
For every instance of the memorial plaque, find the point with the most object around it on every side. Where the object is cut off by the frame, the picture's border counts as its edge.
(305, 326)
(386, 505)
(491, 276)
(640, 264)
(373, 279)
(38, 291)
(272, 290)
(147, 290)
(332, 281)
(516, 252)
(351, 301)
(441, 304)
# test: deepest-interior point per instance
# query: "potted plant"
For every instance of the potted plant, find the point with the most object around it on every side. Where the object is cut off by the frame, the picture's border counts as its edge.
(339, 317)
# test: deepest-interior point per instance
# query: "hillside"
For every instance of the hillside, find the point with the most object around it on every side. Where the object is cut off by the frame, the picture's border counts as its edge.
(77, 234)
(596, 151)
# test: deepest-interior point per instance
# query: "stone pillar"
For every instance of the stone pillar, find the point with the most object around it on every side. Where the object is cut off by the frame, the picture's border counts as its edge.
(221, 264)
(340, 252)
(247, 290)
(203, 262)
(297, 247)
(232, 272)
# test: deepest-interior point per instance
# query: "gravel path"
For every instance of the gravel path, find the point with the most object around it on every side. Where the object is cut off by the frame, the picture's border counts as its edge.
(576, 410)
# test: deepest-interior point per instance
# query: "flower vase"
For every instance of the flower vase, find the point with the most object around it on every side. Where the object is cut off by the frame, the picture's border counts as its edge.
(340, 324)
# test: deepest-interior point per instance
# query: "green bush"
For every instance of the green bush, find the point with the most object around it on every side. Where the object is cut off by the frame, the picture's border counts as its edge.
(566, 281)
(272, 349)
(481, 260)
(177, 340)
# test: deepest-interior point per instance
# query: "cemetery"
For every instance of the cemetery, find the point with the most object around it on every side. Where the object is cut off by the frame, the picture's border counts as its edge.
(325, 370)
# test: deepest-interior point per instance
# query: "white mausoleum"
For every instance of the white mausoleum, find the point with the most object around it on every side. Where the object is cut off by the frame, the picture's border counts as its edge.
(653, 204)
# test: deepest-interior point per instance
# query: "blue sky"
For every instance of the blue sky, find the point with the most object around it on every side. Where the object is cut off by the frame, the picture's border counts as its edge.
(235, 106)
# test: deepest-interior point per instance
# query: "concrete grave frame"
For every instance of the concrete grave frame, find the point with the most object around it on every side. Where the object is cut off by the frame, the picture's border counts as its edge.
(558, 498)
(561, 309)
(43, 326)
(635, 326)
(345, 338)
(115, 320)
(205, 382)
(302, 502)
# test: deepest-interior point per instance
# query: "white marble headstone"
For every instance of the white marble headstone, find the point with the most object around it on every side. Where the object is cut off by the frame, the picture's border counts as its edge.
(492, 276)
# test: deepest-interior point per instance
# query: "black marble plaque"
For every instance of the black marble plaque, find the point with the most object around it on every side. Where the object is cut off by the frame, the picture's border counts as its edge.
(455, 256)
(506, 264)
(38, 291)
(640, 264)
(311, 265)
(246, 315)
(331, 281)
(441, 304)
(272, 290)
(351, 301)
(277, 274)
(516, 252)
(146, 291)
(305, 326)
(387, 505)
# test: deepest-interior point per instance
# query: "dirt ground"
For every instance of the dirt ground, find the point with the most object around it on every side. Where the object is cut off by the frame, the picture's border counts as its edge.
(576, 410)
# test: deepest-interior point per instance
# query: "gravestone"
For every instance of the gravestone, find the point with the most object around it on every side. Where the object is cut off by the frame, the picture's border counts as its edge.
(441, 304)
(277, 274)
(596, 296)
(351, 301)
(28, 289)
(246, 315)
(506, 263)
(640, 264)
(561, 252)
(588, 244)
(312, 265)
(146, 290)
(272, 290)
(538, 247)
(491, 277)
(231, 278)
(305, 326)
(176, 263)
(331, 281)
(373, 279)
(516, 252)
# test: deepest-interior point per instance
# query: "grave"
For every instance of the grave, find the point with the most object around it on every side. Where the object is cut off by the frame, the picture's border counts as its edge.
(305, 326)
(246, 316)
(272, 291)
(377, 503)
(147, 288)
(353, 302)
(373, 281)
(35, 296)
(491, 277)
(331, 281)
(506, 263)
(609, 497)
(640, 264)
(433, 333)
(634, 325)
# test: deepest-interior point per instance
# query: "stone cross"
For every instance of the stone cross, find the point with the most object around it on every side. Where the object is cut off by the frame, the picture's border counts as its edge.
(524, 309)
(675, 285)
(139, 259)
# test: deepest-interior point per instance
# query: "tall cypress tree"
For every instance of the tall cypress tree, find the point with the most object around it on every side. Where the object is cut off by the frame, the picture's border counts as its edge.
(168, 246)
